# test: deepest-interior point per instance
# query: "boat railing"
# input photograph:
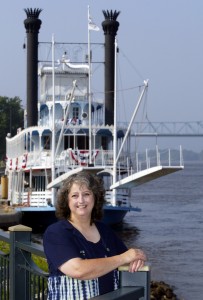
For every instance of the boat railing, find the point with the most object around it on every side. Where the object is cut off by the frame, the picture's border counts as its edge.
(80, 157)
(131, 162)
(69, 158)
(104, 158)
(122, 197)
(29, 160)
(153, 158)
(33, 198)
(128, 162)
(39, 158)
(62, 98)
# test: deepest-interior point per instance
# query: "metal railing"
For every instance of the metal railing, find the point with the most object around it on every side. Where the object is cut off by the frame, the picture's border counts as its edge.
(21, 278)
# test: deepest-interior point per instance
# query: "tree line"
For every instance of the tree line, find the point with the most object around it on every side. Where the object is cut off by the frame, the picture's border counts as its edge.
(11, 118)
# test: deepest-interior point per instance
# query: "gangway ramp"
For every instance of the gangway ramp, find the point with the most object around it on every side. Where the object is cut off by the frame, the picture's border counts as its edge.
(145, 176)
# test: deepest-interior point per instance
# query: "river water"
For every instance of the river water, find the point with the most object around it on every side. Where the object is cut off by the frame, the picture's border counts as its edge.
(170, 229)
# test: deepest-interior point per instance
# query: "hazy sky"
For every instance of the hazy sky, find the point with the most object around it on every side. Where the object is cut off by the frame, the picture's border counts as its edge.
(159, 40)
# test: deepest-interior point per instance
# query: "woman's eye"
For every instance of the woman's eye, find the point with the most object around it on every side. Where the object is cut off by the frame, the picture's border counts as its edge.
(87, 194)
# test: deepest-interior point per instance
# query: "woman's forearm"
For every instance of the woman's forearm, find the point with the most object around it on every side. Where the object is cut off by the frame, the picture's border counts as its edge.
(92, 268)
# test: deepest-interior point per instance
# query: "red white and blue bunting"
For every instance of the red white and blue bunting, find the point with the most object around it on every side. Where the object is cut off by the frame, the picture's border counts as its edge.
(24, 161)
(81, 157)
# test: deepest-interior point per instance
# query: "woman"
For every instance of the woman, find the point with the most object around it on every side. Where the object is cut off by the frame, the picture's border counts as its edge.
(83, 254)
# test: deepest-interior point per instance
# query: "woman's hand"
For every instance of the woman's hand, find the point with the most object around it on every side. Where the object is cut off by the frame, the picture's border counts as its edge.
(135, 258)
(136, 265)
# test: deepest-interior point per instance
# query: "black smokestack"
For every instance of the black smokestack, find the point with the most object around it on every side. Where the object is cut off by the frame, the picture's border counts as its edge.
(110, 27)
(32, 26)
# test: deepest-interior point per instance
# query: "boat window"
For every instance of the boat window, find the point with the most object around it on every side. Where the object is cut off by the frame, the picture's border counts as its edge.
(75, 112)
(104, 142)
(46, 142)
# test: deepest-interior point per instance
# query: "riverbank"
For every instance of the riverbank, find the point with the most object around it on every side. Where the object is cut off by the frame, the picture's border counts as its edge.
(162, 291)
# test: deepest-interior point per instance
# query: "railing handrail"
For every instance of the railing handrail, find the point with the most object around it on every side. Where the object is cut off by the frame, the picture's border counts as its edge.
(32, 248)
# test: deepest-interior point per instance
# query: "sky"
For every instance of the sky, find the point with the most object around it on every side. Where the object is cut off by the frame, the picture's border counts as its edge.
(158, 40)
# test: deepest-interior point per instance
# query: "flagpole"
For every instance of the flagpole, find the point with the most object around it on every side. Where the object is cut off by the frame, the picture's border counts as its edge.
(89, 90)
(53, 117)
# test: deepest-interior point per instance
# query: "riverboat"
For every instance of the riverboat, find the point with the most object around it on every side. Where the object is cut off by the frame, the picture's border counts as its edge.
(68, 130)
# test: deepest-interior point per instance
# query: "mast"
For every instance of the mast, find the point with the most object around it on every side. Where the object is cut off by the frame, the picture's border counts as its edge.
(94, 27)
(133, 117)
(115, 124)
(89, 90)
(65, 118)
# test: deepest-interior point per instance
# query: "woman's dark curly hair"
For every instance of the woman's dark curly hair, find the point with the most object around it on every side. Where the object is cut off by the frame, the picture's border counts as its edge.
(93, 183)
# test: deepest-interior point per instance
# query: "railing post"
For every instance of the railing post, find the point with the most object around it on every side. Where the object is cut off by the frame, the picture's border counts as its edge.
(19, 288)
(140, 278)
(157, 156)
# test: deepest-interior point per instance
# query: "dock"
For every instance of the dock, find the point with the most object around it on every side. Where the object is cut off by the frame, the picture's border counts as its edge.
(9, 217)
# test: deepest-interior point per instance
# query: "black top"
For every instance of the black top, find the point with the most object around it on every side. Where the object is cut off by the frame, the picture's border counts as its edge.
(62, 241)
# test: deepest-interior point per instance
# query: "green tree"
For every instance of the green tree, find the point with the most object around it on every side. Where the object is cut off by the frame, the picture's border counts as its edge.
(11, 118)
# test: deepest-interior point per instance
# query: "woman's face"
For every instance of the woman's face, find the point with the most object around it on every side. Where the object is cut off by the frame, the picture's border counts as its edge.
(80, 201)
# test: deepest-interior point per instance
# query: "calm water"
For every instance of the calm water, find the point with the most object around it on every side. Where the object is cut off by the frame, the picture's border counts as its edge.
(170, 229)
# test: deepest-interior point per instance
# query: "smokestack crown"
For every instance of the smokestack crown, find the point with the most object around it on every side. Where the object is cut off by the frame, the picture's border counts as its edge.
(33, 13)
(32, 23)
(110, 24)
